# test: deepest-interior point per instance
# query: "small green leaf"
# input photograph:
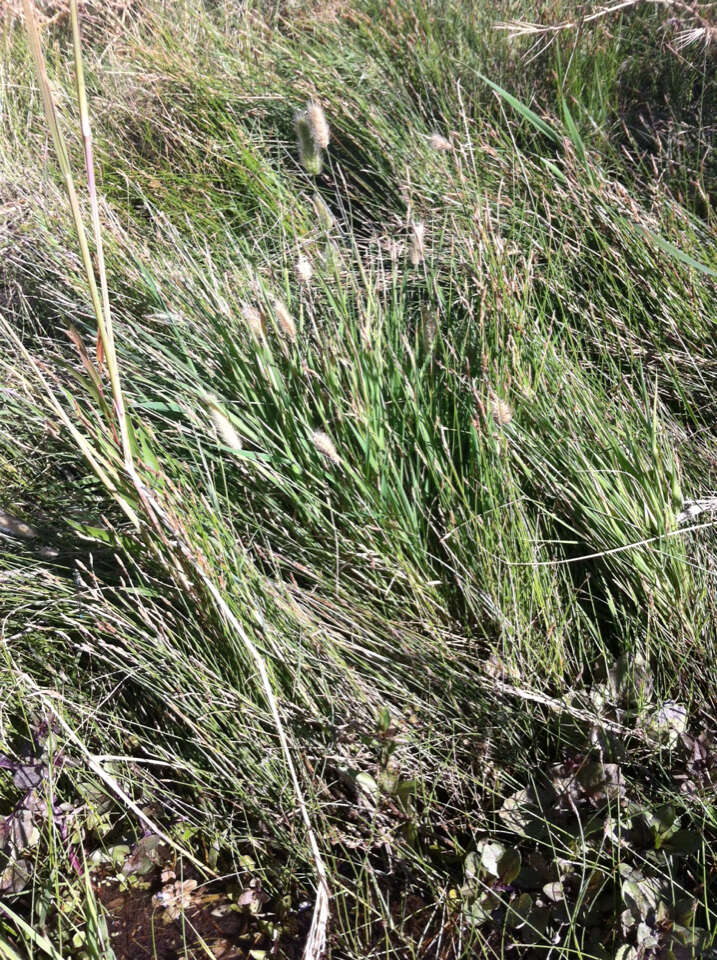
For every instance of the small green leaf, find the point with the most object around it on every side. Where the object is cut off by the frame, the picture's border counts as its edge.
(646, 938)
(383, 720)
(406, 789)
(145, 856)
(482, 908)
(519, 815)
(683, 841)
(519, 910)
(665, 816)
(509, 865)
(554, 891)
(491, 856)
(366, 783)
(471, 865)
(388, 781)
(640, 897)
(684, 911)
(693, 937)
(523, 110)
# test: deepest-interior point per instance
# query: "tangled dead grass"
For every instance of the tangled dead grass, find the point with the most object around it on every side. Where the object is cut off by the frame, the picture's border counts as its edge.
(51, 12)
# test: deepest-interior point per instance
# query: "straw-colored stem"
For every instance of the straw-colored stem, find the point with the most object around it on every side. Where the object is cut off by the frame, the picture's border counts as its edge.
(63, 159)
(109, 341)
(111, 782)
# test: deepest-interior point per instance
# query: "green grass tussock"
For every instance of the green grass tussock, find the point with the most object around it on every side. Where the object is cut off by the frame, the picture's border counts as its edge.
(413, 495)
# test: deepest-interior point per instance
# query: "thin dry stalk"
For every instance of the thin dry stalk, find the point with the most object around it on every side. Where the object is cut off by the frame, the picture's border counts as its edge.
(693, 508)
(417, 247)
(519, 28)
(110, 781)
(109, 347)
(102, 317)
(86, 131)
(493, 684)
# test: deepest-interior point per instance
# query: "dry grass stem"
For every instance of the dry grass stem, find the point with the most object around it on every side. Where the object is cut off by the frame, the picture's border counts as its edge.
(417, 248)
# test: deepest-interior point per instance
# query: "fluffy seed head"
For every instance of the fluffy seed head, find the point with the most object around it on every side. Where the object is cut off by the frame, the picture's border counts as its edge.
(440, 143)
(223, 425)
(303, 269)
(285, 320)
(417, 249)
(430, 327)
(326, 217)
(253, 319)
(325, 445)
(318, 124)
(501, 411)
(309, 150)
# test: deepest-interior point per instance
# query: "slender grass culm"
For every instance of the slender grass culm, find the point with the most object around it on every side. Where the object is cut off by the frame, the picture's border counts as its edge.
(101, 305)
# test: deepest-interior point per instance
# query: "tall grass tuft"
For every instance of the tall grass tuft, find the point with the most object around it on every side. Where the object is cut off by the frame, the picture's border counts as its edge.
(369, 571)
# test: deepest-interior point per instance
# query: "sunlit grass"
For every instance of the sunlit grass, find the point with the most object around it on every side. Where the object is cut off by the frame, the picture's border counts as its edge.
(411, 430)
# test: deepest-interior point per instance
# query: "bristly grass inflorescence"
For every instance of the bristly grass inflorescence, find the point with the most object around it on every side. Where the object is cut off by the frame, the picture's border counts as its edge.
(313, 136)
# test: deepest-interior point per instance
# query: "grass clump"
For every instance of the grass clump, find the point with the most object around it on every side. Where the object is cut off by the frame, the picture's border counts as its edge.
(353, 593)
